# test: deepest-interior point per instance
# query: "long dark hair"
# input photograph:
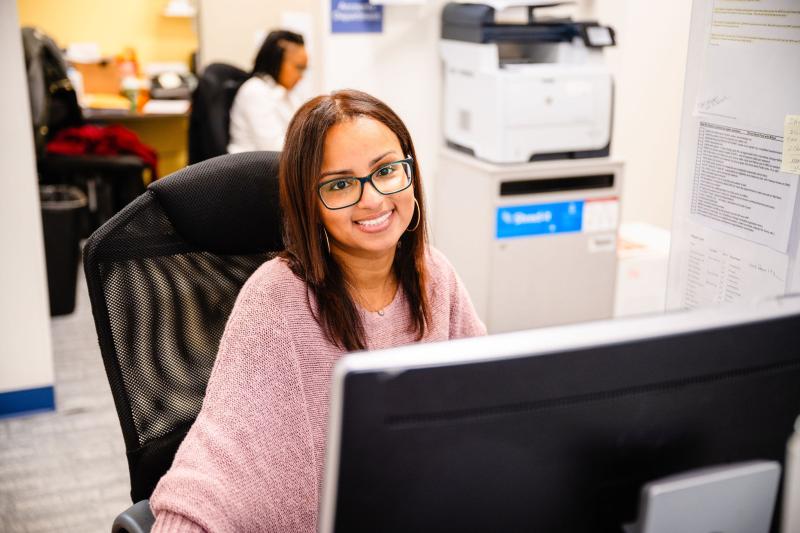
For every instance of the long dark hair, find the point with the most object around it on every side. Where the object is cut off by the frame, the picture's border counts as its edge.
(306, 249)
(270, 55)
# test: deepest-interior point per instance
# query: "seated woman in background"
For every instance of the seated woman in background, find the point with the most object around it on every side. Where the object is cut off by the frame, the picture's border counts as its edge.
(357, 273)
(265, 103)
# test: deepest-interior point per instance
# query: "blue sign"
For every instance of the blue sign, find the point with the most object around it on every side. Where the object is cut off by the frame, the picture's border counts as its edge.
(356, 16)
(539, 219)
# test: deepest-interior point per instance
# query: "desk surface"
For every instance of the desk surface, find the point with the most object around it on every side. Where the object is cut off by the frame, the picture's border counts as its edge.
(153, 109)
(105, 115)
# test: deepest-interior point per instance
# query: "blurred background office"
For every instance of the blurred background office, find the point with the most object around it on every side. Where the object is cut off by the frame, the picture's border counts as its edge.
(155, 82)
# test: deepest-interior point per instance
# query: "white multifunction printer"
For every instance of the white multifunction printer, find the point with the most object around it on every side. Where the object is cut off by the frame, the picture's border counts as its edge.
(527, 200)
(517, 88)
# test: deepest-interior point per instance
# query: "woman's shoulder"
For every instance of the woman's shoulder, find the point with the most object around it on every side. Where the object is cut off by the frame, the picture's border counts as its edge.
(272, 283)
(258, 87)
(275, 274)
(439, 267)
(442, 277)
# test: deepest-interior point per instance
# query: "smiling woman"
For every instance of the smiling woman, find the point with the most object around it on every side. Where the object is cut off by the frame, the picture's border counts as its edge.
(357, 274)
(349, 237)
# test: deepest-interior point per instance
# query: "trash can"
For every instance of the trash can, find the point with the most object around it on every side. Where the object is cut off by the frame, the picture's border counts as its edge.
(63, 211)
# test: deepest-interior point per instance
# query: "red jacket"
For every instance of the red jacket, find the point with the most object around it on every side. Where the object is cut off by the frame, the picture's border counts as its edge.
(98, 140)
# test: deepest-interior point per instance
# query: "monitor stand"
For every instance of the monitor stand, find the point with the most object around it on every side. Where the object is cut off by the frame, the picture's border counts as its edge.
(704, 500)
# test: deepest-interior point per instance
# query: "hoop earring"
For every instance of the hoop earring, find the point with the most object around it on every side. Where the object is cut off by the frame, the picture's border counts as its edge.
(419, 217)
(327, 242)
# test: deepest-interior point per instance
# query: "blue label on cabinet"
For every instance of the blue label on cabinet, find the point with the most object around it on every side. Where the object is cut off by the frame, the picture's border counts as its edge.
(539, 219)
(356, 16)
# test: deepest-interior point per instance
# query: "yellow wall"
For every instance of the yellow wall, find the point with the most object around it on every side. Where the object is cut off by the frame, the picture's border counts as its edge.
(114, 25)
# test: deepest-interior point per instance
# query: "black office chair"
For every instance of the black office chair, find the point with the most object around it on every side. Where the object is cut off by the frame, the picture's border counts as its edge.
(163, 275)
(110, 182)
(209, 120)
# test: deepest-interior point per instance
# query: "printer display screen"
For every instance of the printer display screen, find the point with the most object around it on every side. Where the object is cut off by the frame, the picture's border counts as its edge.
(597, 36)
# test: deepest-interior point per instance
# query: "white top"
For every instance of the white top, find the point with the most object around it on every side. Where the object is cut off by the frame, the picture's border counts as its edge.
(260, 115)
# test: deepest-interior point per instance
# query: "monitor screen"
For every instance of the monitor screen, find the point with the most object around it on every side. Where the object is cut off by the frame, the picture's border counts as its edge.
(557, 429)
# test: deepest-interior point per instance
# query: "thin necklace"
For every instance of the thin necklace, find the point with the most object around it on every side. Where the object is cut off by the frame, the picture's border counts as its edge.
(364, 303)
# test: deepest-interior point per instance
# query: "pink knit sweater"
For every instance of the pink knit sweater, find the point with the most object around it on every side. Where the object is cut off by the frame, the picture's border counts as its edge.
(253, 459)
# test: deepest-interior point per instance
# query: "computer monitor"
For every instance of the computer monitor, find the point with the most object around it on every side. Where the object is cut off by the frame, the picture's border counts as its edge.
(555, 430)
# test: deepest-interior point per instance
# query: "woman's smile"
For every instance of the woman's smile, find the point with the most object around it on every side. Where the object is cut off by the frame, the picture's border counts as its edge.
(376, 223)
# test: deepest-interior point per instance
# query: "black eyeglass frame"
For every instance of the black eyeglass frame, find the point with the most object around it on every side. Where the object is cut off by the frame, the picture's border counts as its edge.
(368, 178)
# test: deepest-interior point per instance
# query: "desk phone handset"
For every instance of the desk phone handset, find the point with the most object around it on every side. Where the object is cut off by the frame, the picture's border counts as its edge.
(172, 85)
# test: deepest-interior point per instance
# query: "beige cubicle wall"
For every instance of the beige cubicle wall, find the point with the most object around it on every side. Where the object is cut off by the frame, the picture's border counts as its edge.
(26, 354)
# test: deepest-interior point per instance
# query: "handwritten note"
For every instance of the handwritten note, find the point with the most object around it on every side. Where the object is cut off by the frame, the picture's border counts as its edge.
(710, 103)
(791, 145)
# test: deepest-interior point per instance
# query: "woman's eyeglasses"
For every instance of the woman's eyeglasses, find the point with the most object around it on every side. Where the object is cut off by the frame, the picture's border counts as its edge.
(391, 178)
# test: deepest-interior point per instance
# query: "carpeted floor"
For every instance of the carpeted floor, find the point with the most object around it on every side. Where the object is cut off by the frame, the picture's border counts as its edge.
(66, 470)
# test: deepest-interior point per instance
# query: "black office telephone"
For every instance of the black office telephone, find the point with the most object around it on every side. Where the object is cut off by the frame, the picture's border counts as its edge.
(172, 86)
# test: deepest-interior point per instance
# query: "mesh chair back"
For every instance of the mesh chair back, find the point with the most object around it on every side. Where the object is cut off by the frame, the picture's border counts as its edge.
(163, 275)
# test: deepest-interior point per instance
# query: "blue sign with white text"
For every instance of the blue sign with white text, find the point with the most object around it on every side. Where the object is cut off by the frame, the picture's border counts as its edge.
(539, 219)
(356, 16)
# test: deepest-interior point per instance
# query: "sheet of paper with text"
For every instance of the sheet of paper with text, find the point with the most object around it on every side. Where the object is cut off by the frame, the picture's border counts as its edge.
(735, 233)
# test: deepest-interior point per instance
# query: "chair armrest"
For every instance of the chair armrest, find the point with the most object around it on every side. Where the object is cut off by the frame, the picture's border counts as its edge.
(138, 518)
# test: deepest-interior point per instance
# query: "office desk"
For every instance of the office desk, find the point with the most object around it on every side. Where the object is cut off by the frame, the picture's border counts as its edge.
(167, 133)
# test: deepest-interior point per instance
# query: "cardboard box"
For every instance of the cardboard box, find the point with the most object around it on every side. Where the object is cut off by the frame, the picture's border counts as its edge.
(101, 77)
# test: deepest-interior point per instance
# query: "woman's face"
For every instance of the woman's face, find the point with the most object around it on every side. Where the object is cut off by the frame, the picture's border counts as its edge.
(293, 66)
(373, 226)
